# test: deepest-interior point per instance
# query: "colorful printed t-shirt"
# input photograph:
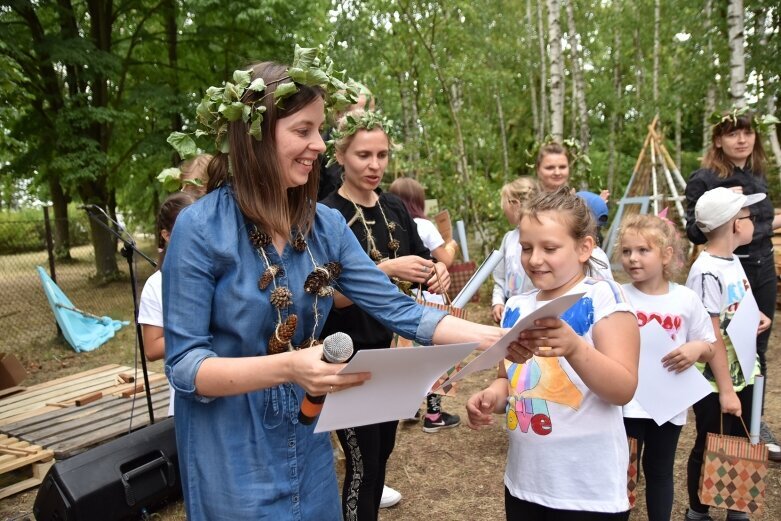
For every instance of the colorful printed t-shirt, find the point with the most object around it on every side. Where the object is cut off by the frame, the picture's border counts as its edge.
(721, 284)
(681, 313)
(568, 448)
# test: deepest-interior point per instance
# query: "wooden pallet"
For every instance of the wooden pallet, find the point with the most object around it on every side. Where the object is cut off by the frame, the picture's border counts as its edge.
(70, 391)
(70, 430)
(17, 455)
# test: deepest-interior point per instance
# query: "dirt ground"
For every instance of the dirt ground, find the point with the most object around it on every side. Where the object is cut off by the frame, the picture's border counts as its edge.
(457, 474)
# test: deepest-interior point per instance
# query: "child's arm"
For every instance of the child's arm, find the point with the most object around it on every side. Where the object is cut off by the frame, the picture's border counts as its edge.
(728, 398)
(154, 342)
(684, 356)
(482, 406)
(609, 368)
(498, 296)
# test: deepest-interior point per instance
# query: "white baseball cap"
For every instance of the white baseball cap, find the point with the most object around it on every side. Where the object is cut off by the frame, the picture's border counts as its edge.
(717, 206)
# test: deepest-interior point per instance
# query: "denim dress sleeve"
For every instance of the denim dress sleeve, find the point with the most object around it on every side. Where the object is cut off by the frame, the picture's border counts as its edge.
(188, 288)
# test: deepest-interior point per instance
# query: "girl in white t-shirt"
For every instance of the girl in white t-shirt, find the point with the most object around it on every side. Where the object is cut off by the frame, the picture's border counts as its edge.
(509, 277)
(651, 254)
(150, 307)
(568, 453)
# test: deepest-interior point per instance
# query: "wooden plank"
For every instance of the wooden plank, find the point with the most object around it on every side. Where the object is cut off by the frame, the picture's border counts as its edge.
(112, 410)
(57, 390)
(61, 392)
(57, 415)
(65, 379)
(69, 448)
(42, 404)
(88, 398)
(39, 471)
(8, 391)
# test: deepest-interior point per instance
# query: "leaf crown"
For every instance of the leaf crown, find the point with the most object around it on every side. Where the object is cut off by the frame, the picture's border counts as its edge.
(220, 106)
(763, 123)
(351, 123)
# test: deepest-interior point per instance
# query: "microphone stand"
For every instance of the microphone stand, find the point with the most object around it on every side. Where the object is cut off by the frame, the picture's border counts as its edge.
(128, 250)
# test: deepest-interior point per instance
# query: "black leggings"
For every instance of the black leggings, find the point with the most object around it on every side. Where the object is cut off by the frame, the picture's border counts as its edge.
(762, 277)
(366, 452)
(656, 446)
(520, 510)
(708, 417)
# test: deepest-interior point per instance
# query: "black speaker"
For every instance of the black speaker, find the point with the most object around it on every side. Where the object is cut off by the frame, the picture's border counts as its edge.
(114, 481)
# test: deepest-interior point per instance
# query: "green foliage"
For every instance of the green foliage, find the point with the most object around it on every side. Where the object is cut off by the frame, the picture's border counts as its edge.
(24, 230)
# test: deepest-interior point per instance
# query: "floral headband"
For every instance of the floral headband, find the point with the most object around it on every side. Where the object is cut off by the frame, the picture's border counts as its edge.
(353, 122)
(223, 105)
(761, 123)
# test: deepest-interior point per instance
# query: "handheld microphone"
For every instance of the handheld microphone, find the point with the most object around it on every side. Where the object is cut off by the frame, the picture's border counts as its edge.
(337, 349)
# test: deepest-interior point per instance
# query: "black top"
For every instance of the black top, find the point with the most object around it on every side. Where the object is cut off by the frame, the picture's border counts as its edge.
(330, 176)
(366, 332)
(706, 179)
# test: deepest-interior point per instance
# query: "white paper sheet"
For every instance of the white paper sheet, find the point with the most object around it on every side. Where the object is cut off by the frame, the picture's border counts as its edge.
(742, 330)
(662, 393)
(401, 379)
(498, 352)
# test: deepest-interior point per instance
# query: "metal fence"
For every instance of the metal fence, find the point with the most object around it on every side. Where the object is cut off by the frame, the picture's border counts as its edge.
(25, 316)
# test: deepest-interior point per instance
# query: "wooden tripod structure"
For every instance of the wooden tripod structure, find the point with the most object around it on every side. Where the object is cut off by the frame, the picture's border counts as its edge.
(656, 183)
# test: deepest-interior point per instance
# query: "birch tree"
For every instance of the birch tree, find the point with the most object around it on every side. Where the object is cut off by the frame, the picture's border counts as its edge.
(657, 52)
(543, 72)
(710, 94)
(579, 84)
(556, 72)
(737, 58)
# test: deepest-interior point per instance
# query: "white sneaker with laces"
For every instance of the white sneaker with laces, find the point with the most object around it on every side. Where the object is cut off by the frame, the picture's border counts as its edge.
(389, 497)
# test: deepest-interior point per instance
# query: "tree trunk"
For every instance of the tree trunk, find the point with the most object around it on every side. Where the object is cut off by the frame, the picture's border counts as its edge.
(639, 58)
(503, 133)
(678, 137)
(737, 58)
(97, 191)
(538, 134)
(657, 51)
(769, 89)
(172, 41)
(775, 147)
(556, 72)
(710, 94)
(579, 83)
(543, 72)
(62, 242)
(611, 169)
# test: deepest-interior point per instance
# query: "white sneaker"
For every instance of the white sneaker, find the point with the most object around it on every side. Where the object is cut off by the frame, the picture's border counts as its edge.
(389, 497)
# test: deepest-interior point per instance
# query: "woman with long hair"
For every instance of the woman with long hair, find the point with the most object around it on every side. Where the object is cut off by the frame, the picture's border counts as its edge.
(248, 280)
(736, 160)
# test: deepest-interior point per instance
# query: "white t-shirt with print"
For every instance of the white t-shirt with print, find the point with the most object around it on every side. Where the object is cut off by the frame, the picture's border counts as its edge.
(681, 313)
(568, 448)
(150, 312)
(721, 284)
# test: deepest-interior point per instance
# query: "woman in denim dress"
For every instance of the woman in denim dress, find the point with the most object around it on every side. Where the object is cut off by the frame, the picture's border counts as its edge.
(248, 282)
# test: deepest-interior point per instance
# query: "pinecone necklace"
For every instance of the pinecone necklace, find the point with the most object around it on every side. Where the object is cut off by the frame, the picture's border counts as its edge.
(371, 244)
(318, 283)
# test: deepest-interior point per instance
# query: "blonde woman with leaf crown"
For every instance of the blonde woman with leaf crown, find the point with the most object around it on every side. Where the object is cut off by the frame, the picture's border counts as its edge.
(248, 279)
(385, 230)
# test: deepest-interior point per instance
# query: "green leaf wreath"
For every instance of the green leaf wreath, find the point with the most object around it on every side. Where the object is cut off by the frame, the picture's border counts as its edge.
(355, 121)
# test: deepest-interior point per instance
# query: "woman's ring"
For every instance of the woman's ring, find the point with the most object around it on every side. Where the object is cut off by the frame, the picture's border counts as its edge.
(331, 389)
(424, 269)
